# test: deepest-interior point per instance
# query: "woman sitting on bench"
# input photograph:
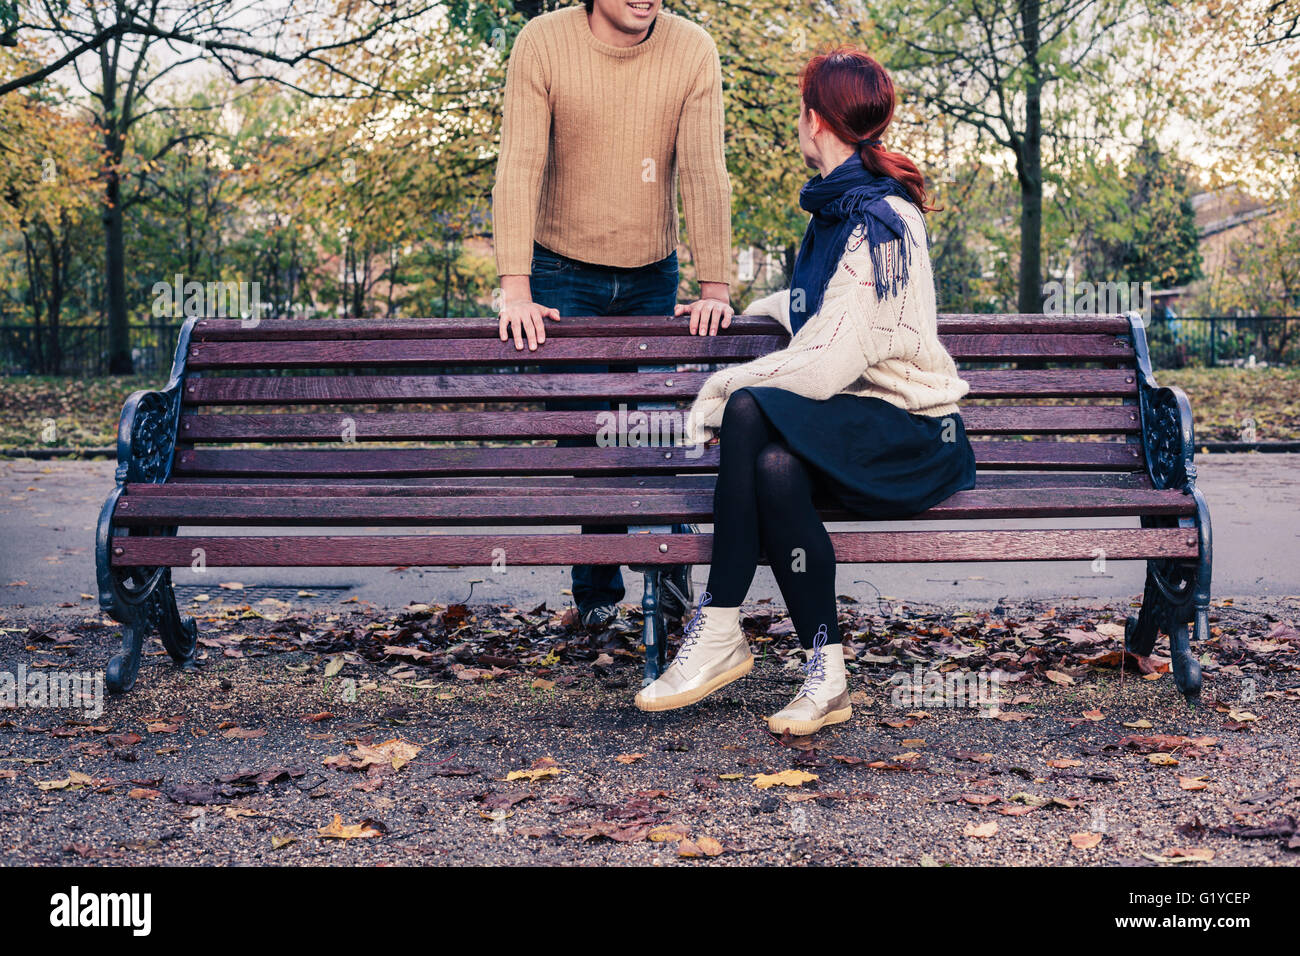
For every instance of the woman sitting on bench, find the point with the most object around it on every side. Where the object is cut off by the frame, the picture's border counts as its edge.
(859, 409)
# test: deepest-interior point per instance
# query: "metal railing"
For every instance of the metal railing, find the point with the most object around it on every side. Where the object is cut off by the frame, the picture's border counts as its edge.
(1210, 340)
(83, 349)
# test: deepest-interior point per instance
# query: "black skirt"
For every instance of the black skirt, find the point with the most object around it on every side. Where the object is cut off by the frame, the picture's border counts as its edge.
(871, 456)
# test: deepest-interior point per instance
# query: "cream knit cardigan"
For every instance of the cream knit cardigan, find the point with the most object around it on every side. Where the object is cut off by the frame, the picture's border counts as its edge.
(855, 344)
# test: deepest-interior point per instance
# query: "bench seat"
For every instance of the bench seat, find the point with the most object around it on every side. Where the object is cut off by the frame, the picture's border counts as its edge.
(424, 442)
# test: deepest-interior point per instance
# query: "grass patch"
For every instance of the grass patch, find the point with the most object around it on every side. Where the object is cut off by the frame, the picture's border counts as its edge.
(1224, 398)
(84, 411)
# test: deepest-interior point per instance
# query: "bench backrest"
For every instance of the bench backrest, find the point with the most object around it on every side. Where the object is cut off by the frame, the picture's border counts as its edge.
(442, 399)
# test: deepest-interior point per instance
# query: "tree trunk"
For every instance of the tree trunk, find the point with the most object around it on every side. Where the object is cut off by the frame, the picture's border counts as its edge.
(360, 277)
(119, 332)
(60, 253)
(787, 262)
(1029, 170)
(35, 286)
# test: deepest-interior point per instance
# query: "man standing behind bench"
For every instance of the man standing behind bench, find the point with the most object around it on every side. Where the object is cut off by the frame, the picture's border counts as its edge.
(606, 105)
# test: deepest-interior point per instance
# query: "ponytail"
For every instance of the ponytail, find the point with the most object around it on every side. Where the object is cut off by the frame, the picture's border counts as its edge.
(854, 96)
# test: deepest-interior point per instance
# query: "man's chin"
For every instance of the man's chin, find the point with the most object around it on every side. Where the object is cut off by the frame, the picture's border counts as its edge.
(636, 27)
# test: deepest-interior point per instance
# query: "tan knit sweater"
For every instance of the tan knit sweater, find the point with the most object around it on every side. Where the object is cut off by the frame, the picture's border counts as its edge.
(594, 139)
(855, 343)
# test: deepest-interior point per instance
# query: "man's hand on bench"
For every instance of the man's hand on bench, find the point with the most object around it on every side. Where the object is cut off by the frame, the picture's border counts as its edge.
(711, 311)
(522, 319)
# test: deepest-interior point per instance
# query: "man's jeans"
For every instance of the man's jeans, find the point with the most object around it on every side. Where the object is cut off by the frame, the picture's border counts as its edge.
(579, 288)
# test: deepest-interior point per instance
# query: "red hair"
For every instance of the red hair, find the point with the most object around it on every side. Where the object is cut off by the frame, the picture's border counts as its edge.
(854, 96)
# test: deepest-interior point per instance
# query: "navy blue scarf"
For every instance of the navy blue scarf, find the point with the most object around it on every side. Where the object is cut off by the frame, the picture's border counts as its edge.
(850, 196)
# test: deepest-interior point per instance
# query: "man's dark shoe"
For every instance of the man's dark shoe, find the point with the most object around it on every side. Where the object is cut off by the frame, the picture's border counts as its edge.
(599, 616)
(677, 595)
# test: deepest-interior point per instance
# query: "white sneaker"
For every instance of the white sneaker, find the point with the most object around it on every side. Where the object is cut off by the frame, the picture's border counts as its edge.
(714, 652)
(824, 697)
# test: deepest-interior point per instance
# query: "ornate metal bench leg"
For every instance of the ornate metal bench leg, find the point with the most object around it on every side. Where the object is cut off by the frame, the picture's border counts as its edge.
(652, 627)
(140, 616)
(142, 600)
(179, 634)
(1189, 681)
(157, 610)
(1186, 668)
(1140, 630)
(123, 667)
(1169, 604)
(1177, 595)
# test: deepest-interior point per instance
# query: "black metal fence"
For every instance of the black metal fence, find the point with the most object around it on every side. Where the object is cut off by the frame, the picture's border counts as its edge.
(1210, 340)
(1175, 343)
(83, 349)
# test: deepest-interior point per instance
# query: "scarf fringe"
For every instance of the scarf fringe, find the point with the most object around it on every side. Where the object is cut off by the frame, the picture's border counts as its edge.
(886, 233)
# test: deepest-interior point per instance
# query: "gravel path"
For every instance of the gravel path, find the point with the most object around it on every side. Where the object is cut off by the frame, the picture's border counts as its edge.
(398, 731)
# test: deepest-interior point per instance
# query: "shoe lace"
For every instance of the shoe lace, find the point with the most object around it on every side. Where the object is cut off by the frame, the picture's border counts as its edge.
(815, 669)
(691, 633)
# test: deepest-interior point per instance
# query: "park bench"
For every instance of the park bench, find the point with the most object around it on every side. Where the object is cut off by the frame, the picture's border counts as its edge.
(310, 443)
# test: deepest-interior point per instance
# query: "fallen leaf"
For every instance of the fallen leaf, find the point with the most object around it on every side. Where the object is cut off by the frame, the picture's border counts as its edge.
(338, 830)
(395, 752)
(981, 831)
(75, 780)
(242, 733)
(786, 778)
(412, 652)
(1177, 855)
(534, 775)
(669, 833)
(704, 846)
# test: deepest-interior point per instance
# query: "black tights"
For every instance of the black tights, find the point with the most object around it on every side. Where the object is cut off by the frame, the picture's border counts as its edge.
(764, 495)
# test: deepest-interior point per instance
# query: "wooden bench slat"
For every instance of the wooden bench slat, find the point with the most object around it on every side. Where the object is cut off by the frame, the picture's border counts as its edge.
(1071, 348)
(382, 389)
(642, 386)
(465, 426)
(1050, 419)
(604, 508)
(852, 547)
(1068, 348)
(485, 351)
(472, 327)
(541, 460)
(310, 330)
(186, 486)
